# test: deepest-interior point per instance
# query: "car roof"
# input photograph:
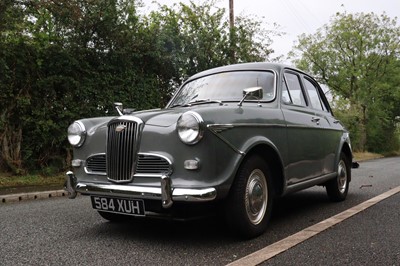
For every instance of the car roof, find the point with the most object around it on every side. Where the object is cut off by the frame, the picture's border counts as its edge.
(243, 66)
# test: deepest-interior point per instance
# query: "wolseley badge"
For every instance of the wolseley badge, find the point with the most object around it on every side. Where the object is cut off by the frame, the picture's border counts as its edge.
(120, 128)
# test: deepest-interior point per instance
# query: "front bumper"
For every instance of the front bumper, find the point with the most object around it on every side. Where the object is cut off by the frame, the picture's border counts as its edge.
(165, 192)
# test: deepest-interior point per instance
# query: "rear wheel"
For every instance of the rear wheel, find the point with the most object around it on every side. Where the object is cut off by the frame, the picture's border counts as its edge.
(249, 204)
(338, 188)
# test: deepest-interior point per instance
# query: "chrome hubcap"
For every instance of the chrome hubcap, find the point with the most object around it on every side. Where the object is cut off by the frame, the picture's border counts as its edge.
(342, 176)
(256, 196)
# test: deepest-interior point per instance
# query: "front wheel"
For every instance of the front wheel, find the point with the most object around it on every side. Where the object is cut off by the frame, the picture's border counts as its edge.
(338, 188)
(249, 204)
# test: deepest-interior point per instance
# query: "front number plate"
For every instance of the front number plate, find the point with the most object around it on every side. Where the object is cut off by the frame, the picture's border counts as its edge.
(118, 205)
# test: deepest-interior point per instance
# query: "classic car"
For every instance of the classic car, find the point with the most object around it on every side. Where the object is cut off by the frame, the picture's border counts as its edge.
(232, 138)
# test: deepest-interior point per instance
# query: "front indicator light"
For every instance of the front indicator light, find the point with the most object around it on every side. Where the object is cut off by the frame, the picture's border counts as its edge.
(191, 164)
(76, 163)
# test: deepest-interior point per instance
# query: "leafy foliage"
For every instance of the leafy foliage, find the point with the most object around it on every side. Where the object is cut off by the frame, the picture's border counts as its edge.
(357, 57)
(67, 59)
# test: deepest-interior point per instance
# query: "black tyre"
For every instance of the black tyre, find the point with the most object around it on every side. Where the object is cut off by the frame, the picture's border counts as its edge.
(249, 204)
(338, 187)
(114, 217)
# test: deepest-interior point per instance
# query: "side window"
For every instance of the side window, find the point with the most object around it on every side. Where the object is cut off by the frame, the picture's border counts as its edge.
(291, 91)
(313, 93)
(285, 93)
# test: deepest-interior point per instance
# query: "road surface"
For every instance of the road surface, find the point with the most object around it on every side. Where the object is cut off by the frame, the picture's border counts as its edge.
(62, 231)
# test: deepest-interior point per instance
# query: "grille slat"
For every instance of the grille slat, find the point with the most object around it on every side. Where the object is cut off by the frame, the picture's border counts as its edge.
(96, 163)
(122, 145)
(146, 164)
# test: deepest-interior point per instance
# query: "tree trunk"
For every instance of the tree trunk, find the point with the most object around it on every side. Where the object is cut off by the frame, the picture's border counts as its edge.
(11, 141)
(363, 129)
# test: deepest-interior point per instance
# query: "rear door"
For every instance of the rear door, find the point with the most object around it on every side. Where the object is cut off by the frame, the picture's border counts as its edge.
(304, 155)
(329, 130)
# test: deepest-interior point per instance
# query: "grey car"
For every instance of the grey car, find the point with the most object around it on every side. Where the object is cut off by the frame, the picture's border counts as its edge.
(231, 139)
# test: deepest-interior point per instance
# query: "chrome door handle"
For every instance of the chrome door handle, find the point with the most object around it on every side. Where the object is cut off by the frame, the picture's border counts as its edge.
(315, 120)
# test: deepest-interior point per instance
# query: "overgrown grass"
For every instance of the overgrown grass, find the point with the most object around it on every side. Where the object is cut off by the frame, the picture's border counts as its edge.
(362, 156)
(7, 180)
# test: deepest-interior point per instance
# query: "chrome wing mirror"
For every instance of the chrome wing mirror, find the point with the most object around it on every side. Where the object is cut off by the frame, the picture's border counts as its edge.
(255, 92)
(119, 107)
(121, 111)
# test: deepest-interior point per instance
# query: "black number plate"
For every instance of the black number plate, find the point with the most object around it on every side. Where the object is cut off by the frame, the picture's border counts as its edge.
(118, 205)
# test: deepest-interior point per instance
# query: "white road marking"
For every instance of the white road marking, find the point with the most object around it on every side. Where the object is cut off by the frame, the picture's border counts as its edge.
(278, 247)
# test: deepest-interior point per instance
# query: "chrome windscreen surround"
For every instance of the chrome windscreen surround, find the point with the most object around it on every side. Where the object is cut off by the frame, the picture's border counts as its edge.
(123, 141)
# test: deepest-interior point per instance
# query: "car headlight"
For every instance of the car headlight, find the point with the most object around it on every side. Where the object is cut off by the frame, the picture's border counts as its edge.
(76, 134)
(189, 128)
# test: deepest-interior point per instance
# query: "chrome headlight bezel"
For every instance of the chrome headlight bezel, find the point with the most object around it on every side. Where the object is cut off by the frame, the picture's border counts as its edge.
(76, 134)
(189, 128)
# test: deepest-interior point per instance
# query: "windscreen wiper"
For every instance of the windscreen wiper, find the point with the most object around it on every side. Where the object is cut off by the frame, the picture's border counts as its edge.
(178, 105)
(202, 101)
(196, 102)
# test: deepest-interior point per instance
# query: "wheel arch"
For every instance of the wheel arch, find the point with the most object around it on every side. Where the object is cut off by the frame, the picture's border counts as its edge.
(272, 157)
(349, 155)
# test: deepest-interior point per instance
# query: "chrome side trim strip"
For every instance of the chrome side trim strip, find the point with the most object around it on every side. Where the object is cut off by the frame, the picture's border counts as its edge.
(216, 129)
(229, 126)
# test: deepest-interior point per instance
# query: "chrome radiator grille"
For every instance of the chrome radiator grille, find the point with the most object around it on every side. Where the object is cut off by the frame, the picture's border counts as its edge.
(122, 147)
(147, 165)
(96, 163)
(152, 164)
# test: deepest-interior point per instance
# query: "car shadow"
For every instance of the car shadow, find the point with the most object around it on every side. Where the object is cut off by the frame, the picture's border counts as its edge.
(290, 214)
(300, 203)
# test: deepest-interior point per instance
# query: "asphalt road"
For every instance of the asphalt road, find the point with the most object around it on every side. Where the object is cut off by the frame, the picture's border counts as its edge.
(62, 231)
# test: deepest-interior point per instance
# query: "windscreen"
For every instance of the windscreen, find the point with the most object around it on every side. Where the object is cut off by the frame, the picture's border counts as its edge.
(226, 86)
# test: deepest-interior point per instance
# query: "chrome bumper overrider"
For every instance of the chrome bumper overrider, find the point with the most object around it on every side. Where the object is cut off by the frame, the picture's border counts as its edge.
(165, 192)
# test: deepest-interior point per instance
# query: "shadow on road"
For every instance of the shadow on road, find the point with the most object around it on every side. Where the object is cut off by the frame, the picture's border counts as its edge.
(290, 212)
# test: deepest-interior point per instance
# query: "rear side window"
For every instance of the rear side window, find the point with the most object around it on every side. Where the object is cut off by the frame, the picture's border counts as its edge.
(292, 92)
(314, 95)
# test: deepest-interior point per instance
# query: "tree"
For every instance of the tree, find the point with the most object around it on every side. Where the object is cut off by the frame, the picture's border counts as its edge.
(17, 70)
(356, 56)
(199, 37)
(60, 61)
(69, 59)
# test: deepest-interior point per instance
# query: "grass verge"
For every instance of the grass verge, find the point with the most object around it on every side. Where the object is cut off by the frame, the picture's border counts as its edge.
(7, 180)
(363, 156)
